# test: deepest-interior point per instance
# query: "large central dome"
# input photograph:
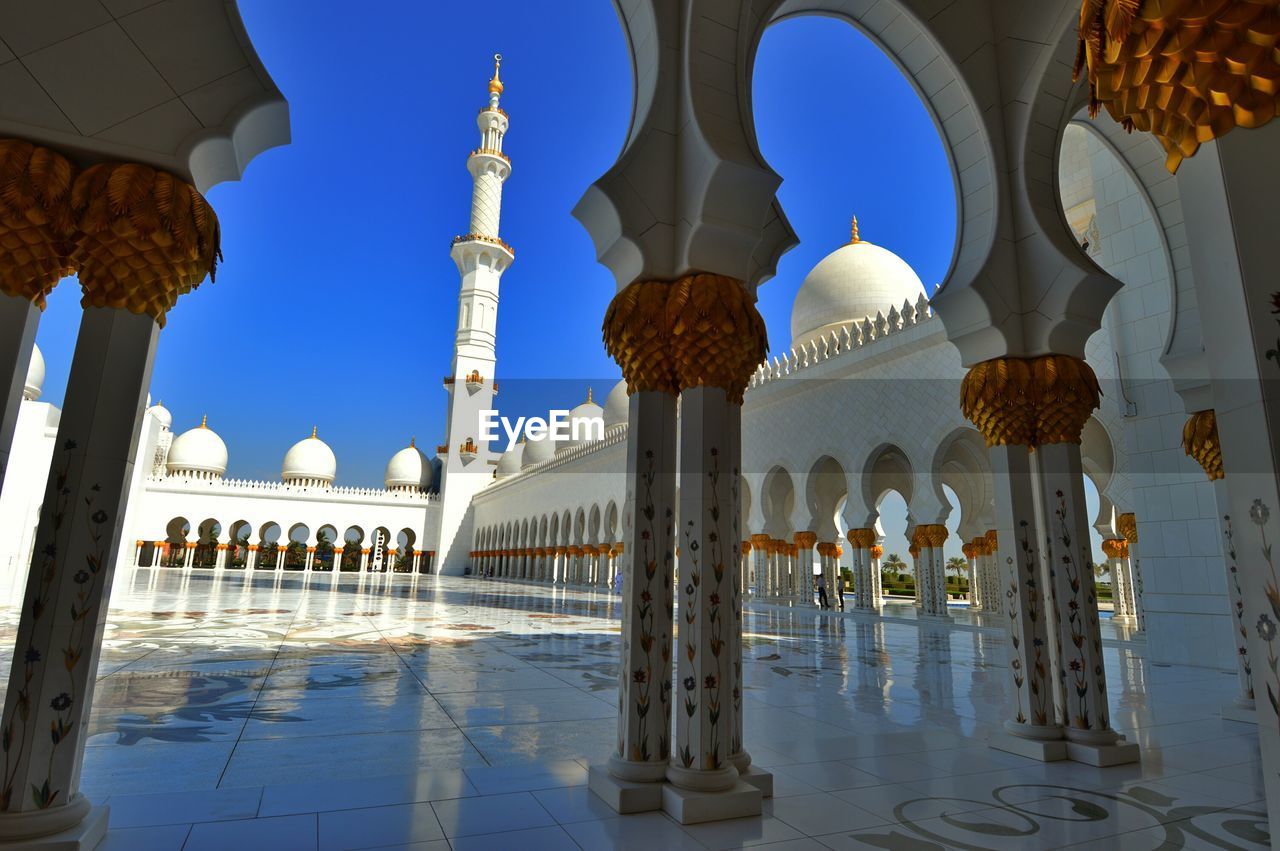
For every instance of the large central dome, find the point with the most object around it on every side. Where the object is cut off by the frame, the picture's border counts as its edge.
(850, 283)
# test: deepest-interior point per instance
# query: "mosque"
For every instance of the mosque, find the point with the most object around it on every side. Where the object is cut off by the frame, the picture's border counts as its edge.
(863, 338)
(1107, 317)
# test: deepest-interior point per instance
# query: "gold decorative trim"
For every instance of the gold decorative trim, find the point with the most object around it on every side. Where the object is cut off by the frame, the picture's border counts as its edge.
(1115, 548)
(1127, 526)
(806, 540)
(1030, 401)
(702, 330)
(1200, 441)
(144, 238)
(1184, 72)
(861, 539)
(35, 220)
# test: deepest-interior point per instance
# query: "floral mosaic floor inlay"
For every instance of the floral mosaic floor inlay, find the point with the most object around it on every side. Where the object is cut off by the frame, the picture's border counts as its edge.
(291, 711)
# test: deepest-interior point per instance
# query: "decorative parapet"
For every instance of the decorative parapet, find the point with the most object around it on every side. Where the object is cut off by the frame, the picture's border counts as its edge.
(853, 336)
(488, 240)
(250, 487)
(612, 437)
(490, 152)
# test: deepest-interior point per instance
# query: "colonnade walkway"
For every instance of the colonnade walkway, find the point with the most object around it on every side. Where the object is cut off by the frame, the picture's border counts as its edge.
(250, 712)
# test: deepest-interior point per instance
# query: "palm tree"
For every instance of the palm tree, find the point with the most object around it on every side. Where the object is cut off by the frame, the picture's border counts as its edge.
(895, 563)
(958, 565)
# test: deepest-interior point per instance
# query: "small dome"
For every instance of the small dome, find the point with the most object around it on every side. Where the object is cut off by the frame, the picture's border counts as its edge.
(408, 469)
(161, 413)
(509, 461)
(537, 451)
(617, 406)
(849, 284)
(198, 452)
(309, 461)
(584, 415)
(35, 375)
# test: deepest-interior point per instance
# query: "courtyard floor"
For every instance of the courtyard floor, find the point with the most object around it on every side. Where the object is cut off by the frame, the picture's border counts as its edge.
(301, 712)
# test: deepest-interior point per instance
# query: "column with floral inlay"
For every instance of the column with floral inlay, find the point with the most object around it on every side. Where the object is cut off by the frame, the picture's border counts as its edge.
(142, 238)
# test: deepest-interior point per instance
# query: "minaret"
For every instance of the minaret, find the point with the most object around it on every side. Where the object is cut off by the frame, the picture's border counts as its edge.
(481, 257)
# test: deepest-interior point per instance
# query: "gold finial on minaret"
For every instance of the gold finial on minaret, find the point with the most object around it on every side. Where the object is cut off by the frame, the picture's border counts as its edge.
(588, 395)
(412, 444)
(495, 85)
(204, 421)
(313, 432)
(854, 239)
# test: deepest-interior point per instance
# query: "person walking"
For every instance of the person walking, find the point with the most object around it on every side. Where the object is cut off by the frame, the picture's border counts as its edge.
(822, 593)
(839, 591)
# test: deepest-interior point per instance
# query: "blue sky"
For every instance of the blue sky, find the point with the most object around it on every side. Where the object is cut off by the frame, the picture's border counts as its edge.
(336, 303)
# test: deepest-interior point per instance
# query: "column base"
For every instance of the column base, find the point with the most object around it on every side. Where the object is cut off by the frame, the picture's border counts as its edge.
(82, 836)
(624, 796)
(1126, 621)
(1044, 750)
(1241, 711)
(759, 778)
(1119, 752)
(691, 807)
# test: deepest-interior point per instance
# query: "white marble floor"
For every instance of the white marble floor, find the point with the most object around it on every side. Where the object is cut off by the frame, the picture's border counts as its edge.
(252, 712)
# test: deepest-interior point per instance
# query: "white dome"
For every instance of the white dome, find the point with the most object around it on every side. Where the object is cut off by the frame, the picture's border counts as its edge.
(408, 469)
(309, 460)
(537, 451)
(199, 452)
(35, 375)
(617, 406)
(849, 284)
(584, 414)
(161, 413)
(509, 461)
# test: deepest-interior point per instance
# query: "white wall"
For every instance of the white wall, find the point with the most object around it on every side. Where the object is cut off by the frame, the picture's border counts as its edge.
(1179, 546)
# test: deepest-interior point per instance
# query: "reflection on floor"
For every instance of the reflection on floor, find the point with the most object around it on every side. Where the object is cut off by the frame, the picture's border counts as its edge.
(253, 712)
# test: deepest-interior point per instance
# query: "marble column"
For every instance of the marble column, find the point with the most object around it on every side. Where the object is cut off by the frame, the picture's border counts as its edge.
(35, 237)
(836, 552)
(1121, 594)
(995, 598)
(1127, 525)
(19, 318)
(59, 635)
(707, 686)
(861, 540)
(929, 539)
(1033, 729)
(760, 563)
(644, 675)
(971, 569)
(877, 578)
(917, 571)
(1083, 680)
